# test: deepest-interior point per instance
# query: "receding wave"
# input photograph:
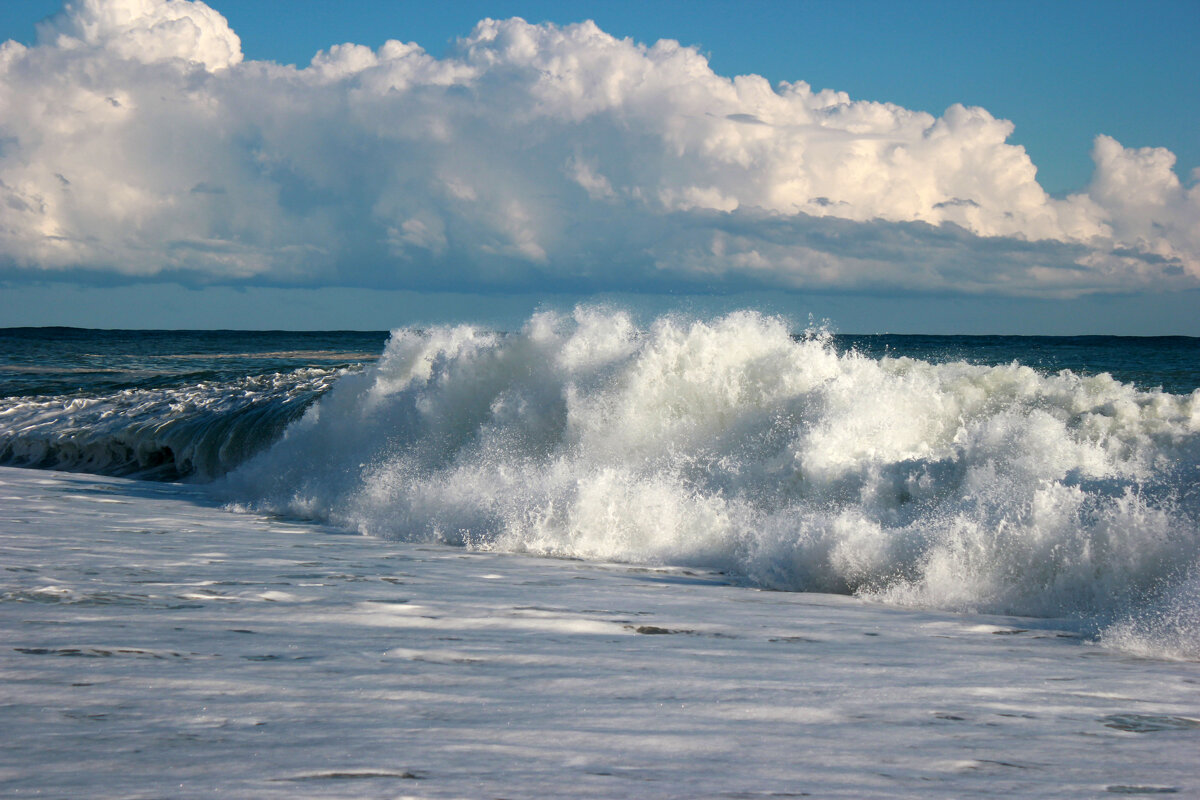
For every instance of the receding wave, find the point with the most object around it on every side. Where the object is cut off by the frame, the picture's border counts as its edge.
(199, 431)
(730, 444)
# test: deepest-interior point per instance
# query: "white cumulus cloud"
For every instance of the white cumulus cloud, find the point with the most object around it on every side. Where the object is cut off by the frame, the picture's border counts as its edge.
(146, 31)
(135, 141)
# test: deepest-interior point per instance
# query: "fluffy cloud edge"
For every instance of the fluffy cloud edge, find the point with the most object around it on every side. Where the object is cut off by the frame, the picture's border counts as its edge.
(136, 143)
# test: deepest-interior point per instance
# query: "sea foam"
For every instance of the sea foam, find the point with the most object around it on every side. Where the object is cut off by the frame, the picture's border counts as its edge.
(731, 444)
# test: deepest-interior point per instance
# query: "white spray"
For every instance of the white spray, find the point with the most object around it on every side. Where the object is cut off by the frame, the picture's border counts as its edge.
(730, 444)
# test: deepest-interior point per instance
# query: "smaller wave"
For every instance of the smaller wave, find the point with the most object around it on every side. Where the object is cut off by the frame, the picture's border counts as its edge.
(196, 432)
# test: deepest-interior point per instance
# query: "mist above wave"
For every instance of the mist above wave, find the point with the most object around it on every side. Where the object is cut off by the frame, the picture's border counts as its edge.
(731, 444)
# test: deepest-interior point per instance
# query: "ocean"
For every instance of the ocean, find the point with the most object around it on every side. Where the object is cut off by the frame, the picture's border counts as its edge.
(985, 545)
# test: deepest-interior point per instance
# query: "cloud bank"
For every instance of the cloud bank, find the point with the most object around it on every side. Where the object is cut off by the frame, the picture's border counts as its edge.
(137, 143)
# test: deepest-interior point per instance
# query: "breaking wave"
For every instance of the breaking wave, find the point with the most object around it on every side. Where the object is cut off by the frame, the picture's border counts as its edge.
(199, 431)
(732, 445)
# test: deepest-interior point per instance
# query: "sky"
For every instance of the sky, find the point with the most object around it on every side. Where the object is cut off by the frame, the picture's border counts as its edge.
(933, 167)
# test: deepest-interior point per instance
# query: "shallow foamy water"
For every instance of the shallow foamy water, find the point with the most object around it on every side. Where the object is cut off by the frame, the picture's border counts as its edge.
(155, 645)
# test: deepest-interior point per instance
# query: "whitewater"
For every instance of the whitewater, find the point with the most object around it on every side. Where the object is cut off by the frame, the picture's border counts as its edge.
(730, 445)
(692, 557)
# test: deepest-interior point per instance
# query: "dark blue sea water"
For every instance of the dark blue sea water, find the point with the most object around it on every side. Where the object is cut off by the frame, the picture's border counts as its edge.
(78, 361)
(1170, 363)
(81, 362)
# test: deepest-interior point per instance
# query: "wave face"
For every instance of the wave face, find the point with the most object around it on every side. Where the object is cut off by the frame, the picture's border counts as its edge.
(732, 445)
(197, 431)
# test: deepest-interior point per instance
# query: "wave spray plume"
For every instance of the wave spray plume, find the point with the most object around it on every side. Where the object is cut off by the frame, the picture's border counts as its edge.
(733, 445)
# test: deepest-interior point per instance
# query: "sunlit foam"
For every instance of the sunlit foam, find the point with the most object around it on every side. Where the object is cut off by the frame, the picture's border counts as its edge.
(732, 444)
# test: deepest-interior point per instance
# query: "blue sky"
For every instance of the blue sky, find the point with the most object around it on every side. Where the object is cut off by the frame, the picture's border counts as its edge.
(1062, 73)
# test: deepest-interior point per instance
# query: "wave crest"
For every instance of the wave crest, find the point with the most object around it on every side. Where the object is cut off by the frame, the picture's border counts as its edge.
(199, 431)
(731, 444)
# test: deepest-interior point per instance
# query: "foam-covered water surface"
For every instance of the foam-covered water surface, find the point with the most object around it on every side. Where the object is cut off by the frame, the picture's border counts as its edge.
(157, 646)
(788, 462)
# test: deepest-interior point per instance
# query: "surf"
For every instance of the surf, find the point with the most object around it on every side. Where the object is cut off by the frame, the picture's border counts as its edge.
(731, 444)
(194, 431)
